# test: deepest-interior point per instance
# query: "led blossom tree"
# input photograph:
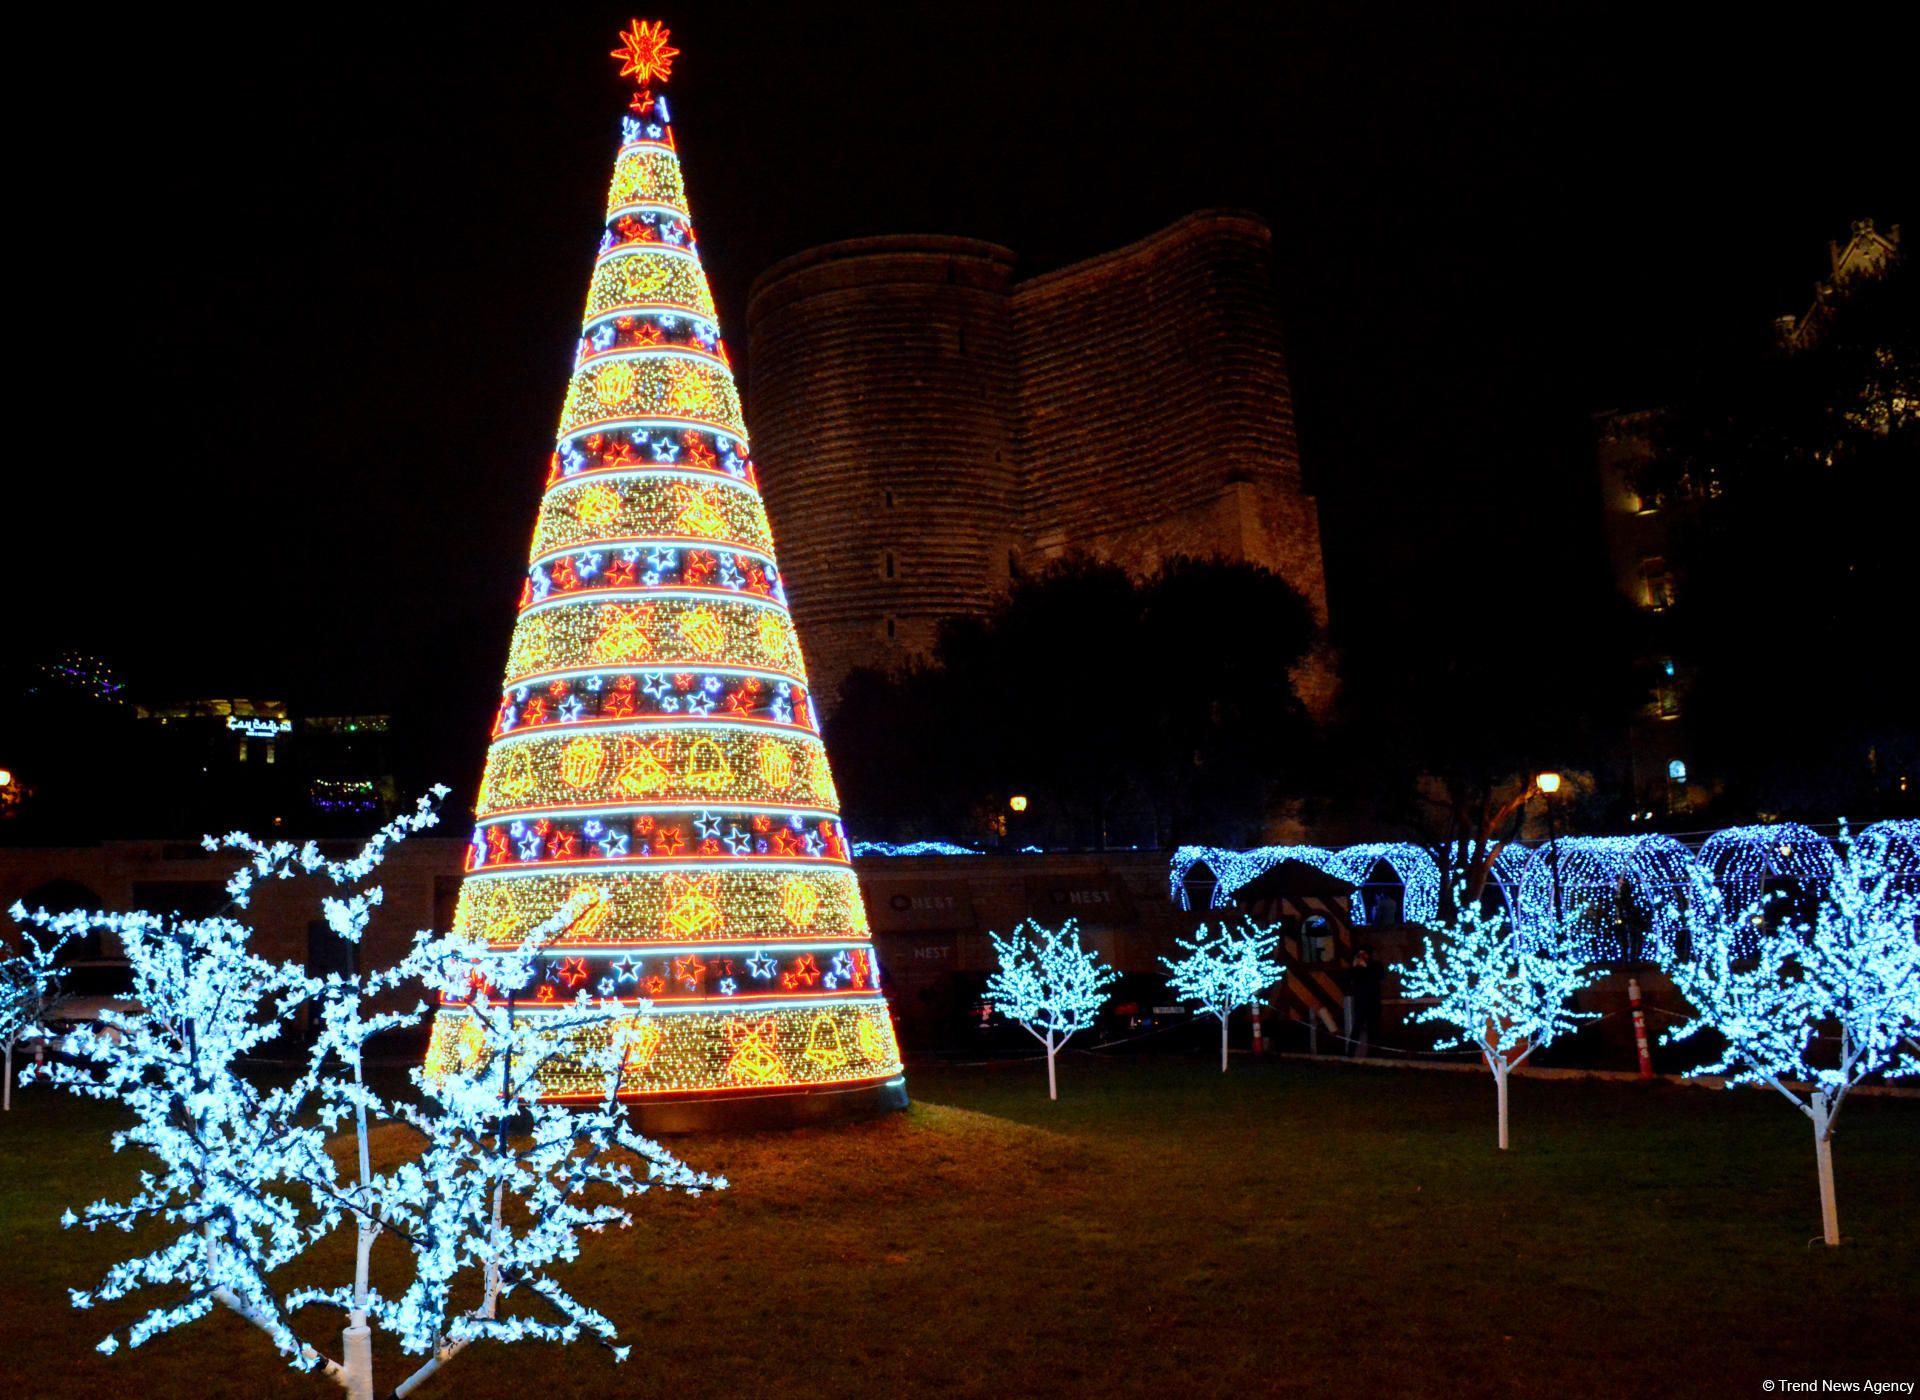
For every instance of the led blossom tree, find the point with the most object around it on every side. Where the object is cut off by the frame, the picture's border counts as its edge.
(1224, 970)
(1049, 984)
(247, 1182)
(29, 997)
(1774, 995)
(1505, 1000)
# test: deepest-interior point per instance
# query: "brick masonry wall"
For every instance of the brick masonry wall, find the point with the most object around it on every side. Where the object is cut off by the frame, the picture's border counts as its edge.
(881, 422)
(1132, 407)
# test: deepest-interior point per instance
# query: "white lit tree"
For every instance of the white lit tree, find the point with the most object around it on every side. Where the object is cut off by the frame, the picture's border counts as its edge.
(1225, 969)
(30, 996)
(1820, 1006)
(1505, 1000)
(500, 1193)
(1049, 984)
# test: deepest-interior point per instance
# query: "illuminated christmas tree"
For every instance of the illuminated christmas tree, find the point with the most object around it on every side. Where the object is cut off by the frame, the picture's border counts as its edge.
(656, 778)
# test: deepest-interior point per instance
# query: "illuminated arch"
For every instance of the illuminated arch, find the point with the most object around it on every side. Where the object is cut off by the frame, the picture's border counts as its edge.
(1896, 844)
(1234, 869)
(1505, 874)
(1418, 875)
(1609, 884)
(1742, 859)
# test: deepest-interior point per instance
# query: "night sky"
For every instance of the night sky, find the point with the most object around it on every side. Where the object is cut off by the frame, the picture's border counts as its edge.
(311, 281)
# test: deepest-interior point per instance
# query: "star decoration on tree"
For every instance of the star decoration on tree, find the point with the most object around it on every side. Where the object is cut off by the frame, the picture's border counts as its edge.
(643, 52)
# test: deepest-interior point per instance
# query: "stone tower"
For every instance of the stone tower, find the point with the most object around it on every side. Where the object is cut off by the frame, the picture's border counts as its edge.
(927, 427)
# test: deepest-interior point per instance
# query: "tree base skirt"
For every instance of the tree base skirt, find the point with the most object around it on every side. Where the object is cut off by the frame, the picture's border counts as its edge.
(768, 1109)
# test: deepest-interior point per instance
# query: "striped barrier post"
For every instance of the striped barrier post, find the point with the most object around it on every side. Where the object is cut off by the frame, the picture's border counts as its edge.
(1639, 1028)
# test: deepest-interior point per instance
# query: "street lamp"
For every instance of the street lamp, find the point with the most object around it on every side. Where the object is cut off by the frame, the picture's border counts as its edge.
(1019, 804)
(1549, 784)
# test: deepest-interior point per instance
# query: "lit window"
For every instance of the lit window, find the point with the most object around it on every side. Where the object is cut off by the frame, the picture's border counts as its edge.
(1677, 770)
(1656, 585)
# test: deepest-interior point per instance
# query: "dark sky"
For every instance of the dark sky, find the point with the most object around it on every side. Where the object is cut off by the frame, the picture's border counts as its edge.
(311, 280)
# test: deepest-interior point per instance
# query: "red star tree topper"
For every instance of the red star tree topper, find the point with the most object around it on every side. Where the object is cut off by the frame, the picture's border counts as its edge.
(644, 54)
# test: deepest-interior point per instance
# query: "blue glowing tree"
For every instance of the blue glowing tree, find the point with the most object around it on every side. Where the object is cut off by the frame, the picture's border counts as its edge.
(1505, 1000)
(1811, 1008)
(1049, 984)
(1224, 969)
(29, 997)
(500, 1193)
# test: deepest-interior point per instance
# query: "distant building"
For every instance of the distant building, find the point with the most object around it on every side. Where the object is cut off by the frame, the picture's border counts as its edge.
(1641, 534)
(927, 428)
(1642, 530)
(83, 761)
(1865, 254)
(300, 772)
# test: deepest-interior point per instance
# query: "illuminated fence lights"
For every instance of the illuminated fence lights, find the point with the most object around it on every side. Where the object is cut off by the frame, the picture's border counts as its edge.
(656, 787)
(911, 848)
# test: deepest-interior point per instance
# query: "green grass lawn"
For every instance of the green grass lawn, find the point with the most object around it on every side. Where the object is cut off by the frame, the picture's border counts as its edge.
(1291, 1228)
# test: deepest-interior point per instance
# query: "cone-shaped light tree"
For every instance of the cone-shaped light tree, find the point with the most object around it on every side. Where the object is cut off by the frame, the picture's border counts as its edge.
(656, 774)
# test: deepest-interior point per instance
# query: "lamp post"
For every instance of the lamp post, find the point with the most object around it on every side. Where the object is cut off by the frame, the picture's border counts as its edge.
(1549, 784)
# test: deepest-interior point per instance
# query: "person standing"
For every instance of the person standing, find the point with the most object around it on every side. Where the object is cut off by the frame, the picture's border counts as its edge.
(1363, 986)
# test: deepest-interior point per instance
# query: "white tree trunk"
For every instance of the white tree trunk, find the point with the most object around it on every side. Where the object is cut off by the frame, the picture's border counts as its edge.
(1223, 1042)
(356, 1375)
(1823, 1156)
(356, 1340)
(1053, 1090)
(1500, 1088)
(7, 1092)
